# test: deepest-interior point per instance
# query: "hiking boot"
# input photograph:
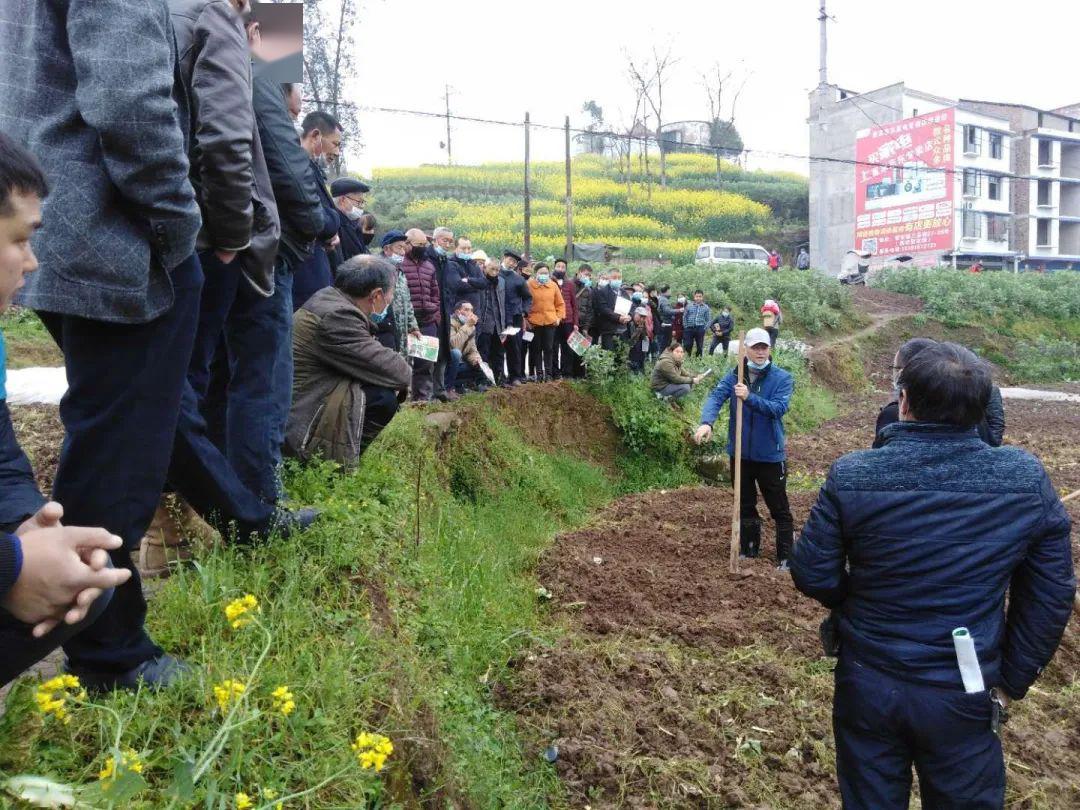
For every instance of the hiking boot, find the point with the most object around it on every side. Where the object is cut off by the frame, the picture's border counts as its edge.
(785, 539)
(287, 523)
(173, 535)
(157, 673)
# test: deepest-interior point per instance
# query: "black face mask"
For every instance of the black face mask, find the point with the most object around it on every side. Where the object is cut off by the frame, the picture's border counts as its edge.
(559, 274)
(417, 252)
(365, 237)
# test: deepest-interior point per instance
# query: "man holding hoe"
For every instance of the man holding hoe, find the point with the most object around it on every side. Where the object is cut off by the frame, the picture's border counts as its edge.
(765, 396)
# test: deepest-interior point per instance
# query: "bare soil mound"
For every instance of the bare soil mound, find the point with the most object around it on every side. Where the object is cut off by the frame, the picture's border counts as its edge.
(875, 301)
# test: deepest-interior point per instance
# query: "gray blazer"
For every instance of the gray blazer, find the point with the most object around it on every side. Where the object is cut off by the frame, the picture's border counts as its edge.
(88, 86)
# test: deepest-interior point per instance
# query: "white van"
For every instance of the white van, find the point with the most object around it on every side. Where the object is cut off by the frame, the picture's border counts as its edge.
(731, 253)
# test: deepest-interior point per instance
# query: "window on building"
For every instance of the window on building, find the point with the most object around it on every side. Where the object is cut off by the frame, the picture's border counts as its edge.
(997, 228)
(1042, 235)
(1045, 194)
(1046, 153)
(993, 187)
(996, 146)
(971, 140)
(972, 222)
(971, 183)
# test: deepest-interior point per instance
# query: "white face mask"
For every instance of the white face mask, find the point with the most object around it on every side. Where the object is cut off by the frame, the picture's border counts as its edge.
(355, 214)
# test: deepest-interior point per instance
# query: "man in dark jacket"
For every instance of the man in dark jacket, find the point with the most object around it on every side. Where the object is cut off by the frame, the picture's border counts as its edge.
(454, 281)
(321, 138)
(608, 323)
(911, 542)
(665, 313)
(489, 305)
(348, 194)
(420, 275)
(518, 301)
(347, 383)
(766, 395)
(567, 361)
(119, 282)
(54, 579)
(721, 328)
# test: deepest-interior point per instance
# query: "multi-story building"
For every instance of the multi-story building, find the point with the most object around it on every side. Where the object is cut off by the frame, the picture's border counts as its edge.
(1046, 193)
(901, 174)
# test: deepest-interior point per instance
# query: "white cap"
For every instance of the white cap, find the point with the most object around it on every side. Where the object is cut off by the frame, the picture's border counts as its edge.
(756, 336)
(642, 311)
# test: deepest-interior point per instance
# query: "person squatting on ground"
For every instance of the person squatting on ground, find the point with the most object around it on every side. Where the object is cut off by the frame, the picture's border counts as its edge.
(992, 426)
(669, 381)
(695, 321)
(348, 385)
(766, 395)
(55, 580)
(547, 311)
(721, 328)
(463, 370)
(907, 543)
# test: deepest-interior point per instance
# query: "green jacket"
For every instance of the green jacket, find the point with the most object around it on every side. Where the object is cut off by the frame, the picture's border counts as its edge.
(668, 372)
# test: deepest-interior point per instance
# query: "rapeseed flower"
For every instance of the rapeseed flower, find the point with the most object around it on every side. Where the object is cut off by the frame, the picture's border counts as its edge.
(54, 695)
(243, 801)
(239, 611)
(283, 701)
(129, 761)
(228, 692)
(372, 750)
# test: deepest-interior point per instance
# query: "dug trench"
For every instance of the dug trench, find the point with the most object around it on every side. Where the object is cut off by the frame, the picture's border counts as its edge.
(679, 685)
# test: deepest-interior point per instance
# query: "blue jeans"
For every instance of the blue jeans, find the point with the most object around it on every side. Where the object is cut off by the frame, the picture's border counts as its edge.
(458, 371)
(242, 374)
(120, 414)
(884, 725)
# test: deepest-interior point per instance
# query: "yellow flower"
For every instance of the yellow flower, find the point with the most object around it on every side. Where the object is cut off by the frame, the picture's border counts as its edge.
(372, 750)
(283, 701)
(53, 695)
(228, 692)
(238, 610)
(243, 801)
(129, 761)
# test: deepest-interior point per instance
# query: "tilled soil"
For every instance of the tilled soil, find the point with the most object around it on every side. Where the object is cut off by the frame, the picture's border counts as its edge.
(688, 687)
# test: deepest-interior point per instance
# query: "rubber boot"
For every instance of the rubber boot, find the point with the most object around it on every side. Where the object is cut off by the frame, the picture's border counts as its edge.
(750, 538)
(785, 539)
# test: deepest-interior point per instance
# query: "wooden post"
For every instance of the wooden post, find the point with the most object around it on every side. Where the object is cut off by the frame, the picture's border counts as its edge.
(528, 197)
(569, 254)
(736, 475)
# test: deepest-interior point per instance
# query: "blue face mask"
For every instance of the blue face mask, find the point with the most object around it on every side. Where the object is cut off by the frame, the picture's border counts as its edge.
(465, 257)
(379, 317)
(636, 296)
(542, 278)
(396, 259)
(615, 283)
(586, 282)
(440, 250)
(758, 366)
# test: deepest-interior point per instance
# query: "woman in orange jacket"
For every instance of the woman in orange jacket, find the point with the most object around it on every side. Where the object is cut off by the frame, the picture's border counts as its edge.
(547, 312)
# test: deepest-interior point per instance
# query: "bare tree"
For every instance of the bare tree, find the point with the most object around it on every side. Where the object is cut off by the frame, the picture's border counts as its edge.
(650, 78)
(722, 132)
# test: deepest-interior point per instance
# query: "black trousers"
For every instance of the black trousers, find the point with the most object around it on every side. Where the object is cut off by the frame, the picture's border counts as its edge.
(543, 361)
(694, 336)
(567, 361)
(720, 340)
(515, 352)
(770, 478)
(609, 341)
(120, 414)
(380, 406)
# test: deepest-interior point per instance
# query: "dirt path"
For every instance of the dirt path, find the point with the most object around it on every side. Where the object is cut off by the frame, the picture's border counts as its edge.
(881, 306)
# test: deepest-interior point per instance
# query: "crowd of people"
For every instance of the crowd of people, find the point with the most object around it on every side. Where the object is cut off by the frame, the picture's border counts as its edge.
(219, 302)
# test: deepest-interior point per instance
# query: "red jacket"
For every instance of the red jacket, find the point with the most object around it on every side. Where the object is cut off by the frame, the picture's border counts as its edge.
(569, 294)
(423, 289)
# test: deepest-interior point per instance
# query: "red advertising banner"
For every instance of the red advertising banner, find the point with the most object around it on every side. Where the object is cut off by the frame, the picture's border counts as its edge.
(904, 186)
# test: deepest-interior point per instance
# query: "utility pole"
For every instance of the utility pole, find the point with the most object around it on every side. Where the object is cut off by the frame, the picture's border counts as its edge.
(823, 76)
(449, 151)
(528, 197)
(569, 254)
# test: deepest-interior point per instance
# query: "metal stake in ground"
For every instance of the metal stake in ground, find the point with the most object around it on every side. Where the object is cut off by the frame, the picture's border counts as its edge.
(736, 475)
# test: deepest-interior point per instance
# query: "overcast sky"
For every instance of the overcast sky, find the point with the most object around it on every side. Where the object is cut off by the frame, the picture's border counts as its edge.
(568, 51)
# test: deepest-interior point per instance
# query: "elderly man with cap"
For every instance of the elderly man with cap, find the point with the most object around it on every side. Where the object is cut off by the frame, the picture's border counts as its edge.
(402, 318)
(766, 395)
(357, 229)
(518, 301)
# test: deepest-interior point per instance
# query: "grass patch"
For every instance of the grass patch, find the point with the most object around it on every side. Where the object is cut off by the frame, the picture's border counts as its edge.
(28, 342)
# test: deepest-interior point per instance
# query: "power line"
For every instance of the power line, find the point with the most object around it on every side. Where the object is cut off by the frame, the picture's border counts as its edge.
(704, 148)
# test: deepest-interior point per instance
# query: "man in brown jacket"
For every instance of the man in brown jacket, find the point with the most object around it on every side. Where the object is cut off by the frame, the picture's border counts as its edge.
(346, 384)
